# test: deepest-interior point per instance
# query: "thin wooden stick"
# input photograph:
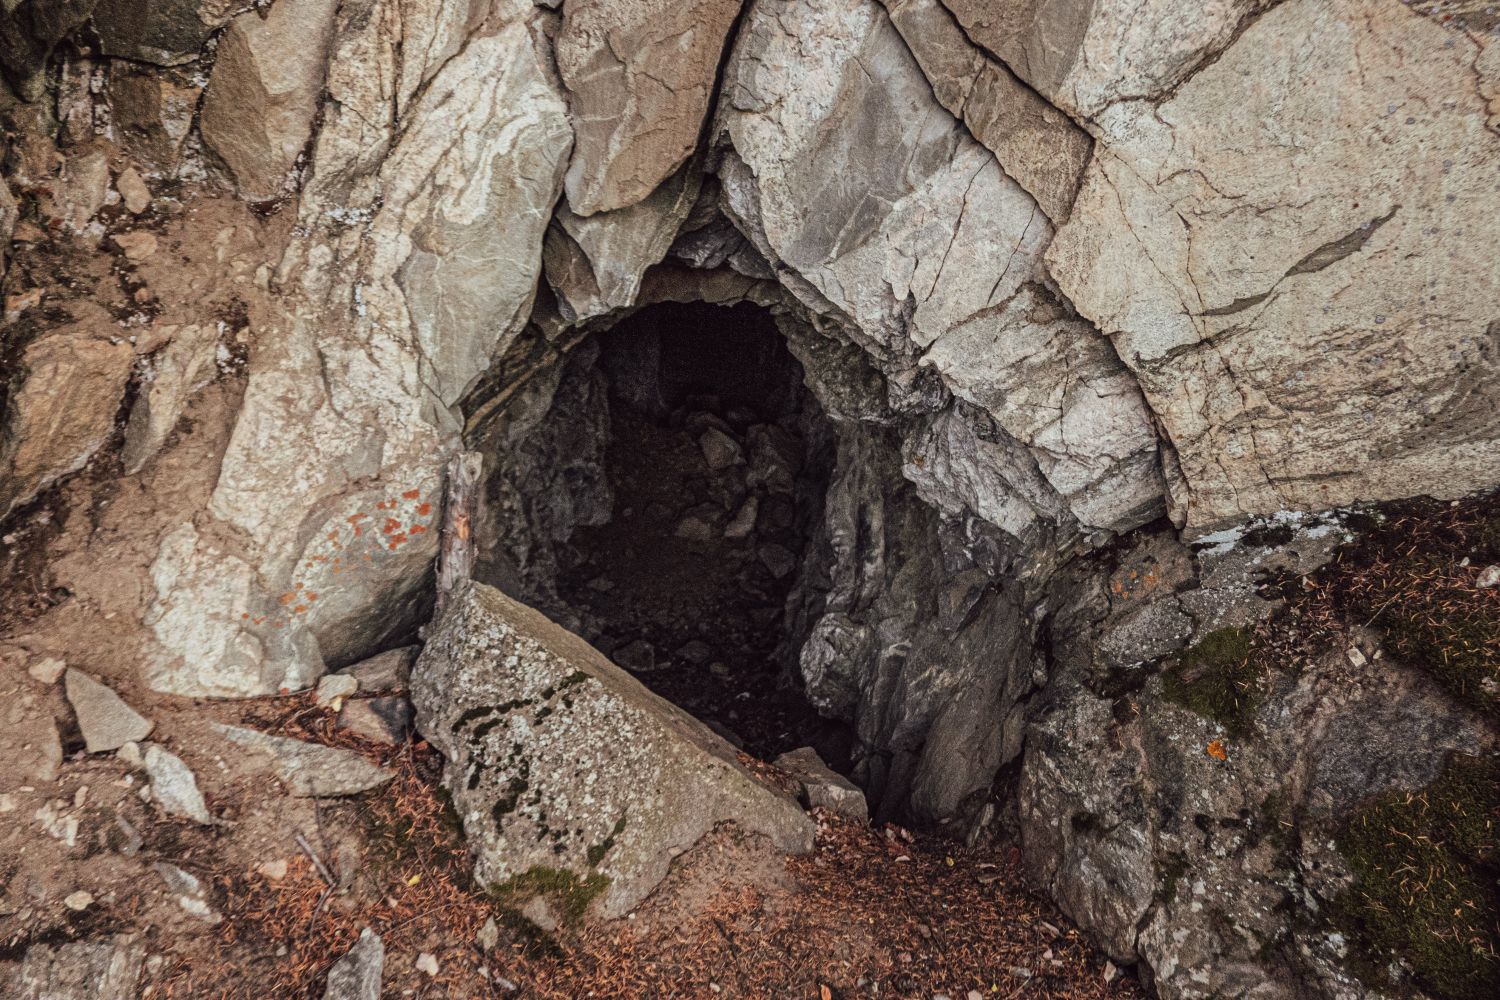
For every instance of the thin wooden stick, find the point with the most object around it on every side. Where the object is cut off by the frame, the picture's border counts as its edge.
(456, 557)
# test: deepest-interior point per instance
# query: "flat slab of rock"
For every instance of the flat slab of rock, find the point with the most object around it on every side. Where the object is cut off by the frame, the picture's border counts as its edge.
(83, 970)
(822, 787)
(379, 720)
(309, 770)
(107, 723)
(566, 770)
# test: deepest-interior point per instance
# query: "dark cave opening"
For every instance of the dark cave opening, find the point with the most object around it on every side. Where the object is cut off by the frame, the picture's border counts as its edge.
(684, 517)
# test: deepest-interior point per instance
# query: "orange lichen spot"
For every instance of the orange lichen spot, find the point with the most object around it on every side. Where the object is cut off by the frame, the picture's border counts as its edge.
(300, 609)
(417, 529)
(260, 621)
(245, 615)
(357, 531)
(412, 494)
(311, 596)
(1215, 749)
(356, 518)
(423, 509)
(287, 598)
(391, 524)
(333, 536)
(367, 557)
(398, 540)
(296, 586)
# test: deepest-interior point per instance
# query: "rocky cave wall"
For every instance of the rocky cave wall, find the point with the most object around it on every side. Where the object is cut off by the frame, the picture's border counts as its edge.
(1071, 281)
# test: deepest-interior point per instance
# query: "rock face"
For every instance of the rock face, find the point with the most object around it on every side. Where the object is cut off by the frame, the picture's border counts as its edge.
(258, 111)
(1071, 282)
(640, 74)
(561, 764)
(63, 411)
(82, 970)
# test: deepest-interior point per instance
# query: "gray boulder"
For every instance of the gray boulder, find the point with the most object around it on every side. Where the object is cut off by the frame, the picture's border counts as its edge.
(565, 770)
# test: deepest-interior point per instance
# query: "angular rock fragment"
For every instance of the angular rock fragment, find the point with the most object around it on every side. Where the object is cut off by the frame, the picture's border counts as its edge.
(174, 787)
(821, 787)
(565, 770)
(641, 73)
(379, 720)
(263, 94)
(356, 976)
(388, 671)
(174, 373)
(106, 721)
(308, 769)
(64, 408)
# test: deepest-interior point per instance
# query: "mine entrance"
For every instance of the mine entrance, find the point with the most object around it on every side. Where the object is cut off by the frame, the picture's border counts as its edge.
(717, 459)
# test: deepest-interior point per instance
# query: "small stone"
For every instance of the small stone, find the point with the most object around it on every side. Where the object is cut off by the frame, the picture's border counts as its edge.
(1356, 656)
(174, 787)
(743, 521)
(540, 912)
(720, 450)
(130, 753)
(1110, 972)
(356, 976)
(19, 304)
(48, 670)
(694, 529)
(1488, 577)
(133, 190)
(137, 244)
(427, 962)
(821, 787)
(638, 656)
(334, 688)
(7, 802)
(489, 935)
(777, 560)
(275, 869)
(79, 901)
(697, 651)
(720, 670)
(107, 723)
(379, 720)
(388, 671)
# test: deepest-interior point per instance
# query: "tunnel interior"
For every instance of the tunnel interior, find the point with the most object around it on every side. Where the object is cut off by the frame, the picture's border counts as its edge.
(667, 505)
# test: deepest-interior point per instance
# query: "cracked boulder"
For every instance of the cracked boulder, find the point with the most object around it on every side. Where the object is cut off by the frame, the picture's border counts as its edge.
(570, 777)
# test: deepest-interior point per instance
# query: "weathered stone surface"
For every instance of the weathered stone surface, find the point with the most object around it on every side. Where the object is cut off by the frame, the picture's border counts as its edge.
(595, 263)
(356, 976)
(379, 720)
(640, 74)
(263, 93)
(1208, 853)
(153, 113)
(558, 760)
(1036, 144)
(103, 969)
(863, 183)
(8, 215)
(1083, 55)
(166, 32)
(63, 410)
(28, 31)
(421, 260)
(388, 671)
(29, 740)
(81, 190)
(309, 769)
(170, 377)
(106, 721)
(133, 191)
(821, 787)
(1260, 272)
(174, 787)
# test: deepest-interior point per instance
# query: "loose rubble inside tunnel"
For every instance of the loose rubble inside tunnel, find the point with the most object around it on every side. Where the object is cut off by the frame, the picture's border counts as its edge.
(689, 565)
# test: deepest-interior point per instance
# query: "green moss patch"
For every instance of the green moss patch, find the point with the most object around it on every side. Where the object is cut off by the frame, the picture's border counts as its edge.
(1427, 881)
(1218, 678)
(563, 889)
